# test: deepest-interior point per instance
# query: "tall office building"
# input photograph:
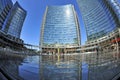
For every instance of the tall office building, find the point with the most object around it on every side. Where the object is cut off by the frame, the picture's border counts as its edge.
(101, 17)
(14, 21)
(115, 7)
(60, 28)
(5, 6)
(11, 22)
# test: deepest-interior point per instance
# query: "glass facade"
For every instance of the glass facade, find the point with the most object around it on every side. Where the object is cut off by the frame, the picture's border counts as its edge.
(60, 27)
(115, 7)
(14, 21)
(98, 18)
(5, 6)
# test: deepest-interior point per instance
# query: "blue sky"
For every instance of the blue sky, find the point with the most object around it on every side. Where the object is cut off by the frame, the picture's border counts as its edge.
(35, 11)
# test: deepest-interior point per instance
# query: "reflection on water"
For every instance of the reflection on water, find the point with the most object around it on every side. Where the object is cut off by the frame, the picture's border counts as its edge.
(62, 67)
(29, 68)
(10, 68)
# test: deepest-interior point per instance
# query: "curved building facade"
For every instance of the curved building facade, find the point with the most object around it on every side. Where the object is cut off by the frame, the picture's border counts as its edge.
(14, 21)
(115, 6)
(60, 28)
(5, 6)
(99, 18)
(12, 17)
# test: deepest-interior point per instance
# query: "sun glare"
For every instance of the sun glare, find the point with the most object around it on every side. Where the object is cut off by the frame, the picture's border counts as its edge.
(68, 12)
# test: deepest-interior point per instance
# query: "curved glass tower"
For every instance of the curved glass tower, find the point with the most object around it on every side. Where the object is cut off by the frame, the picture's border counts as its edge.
(115, 6)
(5, 6)
(15, 20)
(60, 27)
(99, 18)
(11, 18)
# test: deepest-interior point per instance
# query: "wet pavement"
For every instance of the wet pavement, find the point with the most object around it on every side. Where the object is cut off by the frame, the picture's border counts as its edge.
(62, 67)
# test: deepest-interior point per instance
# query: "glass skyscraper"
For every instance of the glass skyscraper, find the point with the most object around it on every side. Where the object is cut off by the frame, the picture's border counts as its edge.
(60, 27)
(12, 17)
(100, 17)
(115, 6)
(5, 6)
(14, 21)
